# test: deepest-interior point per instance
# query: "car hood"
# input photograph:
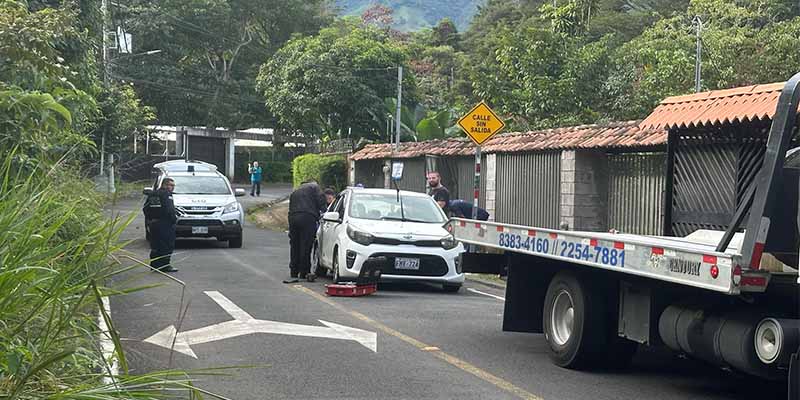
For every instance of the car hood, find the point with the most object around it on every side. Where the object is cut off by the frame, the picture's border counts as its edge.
(197, 200)
(399, 229)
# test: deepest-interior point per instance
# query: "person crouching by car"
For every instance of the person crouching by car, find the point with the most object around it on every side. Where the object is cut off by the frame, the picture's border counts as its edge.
(306, 204)
(160, 210)
(463, 209)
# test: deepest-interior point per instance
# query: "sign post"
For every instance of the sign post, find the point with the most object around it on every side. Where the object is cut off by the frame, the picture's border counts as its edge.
(480, 124)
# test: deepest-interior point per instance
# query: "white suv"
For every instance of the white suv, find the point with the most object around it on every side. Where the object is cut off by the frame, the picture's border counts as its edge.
(204, 200)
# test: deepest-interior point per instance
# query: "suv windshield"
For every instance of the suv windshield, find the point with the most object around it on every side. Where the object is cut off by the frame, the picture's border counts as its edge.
(200, 185)
(386, 207)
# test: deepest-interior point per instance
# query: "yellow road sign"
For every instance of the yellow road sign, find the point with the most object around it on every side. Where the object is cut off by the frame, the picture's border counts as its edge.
(481, 123)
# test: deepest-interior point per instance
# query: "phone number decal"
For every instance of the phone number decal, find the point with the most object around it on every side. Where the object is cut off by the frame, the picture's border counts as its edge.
(584, 252)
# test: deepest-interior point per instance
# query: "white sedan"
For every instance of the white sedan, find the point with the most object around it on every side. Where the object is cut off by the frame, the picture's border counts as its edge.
(402, 232)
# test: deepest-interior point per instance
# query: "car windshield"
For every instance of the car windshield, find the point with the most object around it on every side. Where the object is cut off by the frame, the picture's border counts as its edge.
(387, 207)
(200, 185)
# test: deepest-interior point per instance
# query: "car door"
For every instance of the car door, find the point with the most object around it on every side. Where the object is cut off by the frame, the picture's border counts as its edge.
(327, 237)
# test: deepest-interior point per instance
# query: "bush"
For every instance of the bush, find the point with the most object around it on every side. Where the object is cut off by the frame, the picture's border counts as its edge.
(326, 170)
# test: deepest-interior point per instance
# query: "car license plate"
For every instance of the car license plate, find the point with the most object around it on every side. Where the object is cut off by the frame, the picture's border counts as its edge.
(406, 263)
(199, 230)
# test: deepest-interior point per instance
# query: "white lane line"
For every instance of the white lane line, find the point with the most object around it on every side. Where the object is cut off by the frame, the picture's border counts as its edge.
(106, 343)
(486, 294)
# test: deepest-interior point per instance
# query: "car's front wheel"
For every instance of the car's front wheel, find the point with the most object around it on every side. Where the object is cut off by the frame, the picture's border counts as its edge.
(235, 243)
(335, 266)
(451, 288)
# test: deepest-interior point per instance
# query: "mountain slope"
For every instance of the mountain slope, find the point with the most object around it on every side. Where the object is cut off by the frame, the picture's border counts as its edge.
(411, 15)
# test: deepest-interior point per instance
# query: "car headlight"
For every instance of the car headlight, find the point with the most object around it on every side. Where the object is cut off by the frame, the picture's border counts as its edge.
(231, 207)
(358, 236)
(449, 242)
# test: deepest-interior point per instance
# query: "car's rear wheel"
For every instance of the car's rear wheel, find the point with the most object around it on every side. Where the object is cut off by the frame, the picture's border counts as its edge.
(235, 243)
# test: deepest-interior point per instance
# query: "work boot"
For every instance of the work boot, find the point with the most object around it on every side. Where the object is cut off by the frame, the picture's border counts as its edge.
(168, 269)
(311, 277)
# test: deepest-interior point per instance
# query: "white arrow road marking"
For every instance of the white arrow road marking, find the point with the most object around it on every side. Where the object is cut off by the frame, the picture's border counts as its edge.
(244, 324)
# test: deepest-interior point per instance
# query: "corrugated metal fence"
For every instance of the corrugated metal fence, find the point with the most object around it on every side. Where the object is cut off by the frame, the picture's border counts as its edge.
(369, 173)
(528, 189)
(636, 184)
(458, 174)
(413, 174)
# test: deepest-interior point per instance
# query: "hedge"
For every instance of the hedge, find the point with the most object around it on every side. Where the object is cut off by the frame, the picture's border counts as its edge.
(326, 170)
(272, 171)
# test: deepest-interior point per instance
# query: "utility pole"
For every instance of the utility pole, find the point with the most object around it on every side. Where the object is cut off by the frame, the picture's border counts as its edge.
(106, 73)
(399, 105)
(698, 25)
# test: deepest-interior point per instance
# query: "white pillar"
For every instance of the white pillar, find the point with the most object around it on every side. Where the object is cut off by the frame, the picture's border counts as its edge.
(490, 174)
(230, 157)
(351, 176)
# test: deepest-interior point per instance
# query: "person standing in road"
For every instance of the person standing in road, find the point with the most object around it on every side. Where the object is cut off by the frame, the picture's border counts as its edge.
(438, 191)
(255, 178)
(161, 211)
(305, 205)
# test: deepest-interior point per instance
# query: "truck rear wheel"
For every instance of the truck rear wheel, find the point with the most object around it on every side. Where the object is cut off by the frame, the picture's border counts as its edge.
(571, 324)
(580, 324)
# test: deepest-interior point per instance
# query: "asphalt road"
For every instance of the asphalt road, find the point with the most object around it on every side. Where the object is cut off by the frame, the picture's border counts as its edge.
(430, 345)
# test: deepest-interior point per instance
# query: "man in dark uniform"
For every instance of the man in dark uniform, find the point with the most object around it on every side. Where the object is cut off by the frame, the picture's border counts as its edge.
(162, 226)
(463, 209)
(305, 205)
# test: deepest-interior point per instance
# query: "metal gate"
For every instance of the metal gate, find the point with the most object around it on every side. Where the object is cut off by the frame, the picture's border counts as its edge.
(710, 176)
(369, 173)
(210, 150)
(528, 189)
(636, 184)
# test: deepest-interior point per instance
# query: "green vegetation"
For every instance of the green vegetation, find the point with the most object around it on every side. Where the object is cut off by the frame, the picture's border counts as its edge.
(57, 246)
(334, 81)
(326, 170)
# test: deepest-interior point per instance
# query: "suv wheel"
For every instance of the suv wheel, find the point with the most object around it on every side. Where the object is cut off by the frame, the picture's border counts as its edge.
(235, 243)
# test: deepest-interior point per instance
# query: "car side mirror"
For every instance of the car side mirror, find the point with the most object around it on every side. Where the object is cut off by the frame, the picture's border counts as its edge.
(239, 192)
(331, 216)
(147, 191)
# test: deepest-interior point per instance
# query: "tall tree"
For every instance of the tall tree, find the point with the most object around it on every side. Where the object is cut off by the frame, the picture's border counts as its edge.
(323, 85)
(210, 54)
(661, 61)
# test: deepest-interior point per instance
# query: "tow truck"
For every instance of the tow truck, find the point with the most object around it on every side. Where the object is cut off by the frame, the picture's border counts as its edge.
(597, 296)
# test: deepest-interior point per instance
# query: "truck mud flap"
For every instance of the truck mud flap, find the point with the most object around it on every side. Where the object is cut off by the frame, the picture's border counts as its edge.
(482, 263)
(528, 279)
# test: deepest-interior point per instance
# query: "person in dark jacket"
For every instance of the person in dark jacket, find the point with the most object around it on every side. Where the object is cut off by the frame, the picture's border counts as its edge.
(306, 204)
(162, 227)
(463, 209)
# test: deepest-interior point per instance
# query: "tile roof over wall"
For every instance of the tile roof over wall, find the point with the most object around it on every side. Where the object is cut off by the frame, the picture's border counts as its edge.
(612, 135)
(717, 107)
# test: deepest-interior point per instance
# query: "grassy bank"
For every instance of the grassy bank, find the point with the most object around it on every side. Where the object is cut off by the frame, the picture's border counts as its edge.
(55, 258)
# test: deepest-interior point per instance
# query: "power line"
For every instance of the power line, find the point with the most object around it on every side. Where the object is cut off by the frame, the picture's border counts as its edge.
(200, 92)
